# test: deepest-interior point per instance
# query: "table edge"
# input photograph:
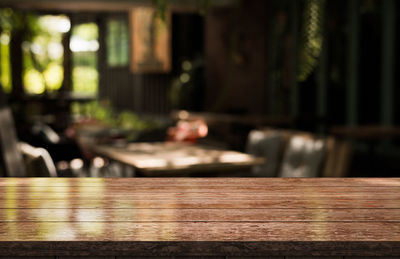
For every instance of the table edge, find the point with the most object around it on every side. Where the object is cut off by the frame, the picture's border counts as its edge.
(200, 248)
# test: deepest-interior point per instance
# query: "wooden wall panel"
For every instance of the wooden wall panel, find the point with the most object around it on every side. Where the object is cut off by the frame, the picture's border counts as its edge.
(141, 93)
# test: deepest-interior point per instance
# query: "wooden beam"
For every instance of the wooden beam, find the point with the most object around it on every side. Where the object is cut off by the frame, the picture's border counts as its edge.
(353, 62)
(294, 94)
(322, 77)
(16, 57)
(67, 61)
(388, 48)
(106, 5)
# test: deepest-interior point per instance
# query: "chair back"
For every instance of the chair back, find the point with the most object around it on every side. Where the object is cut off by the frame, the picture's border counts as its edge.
(269, 144)
(38, 161)
(12, 157)
(303, 156)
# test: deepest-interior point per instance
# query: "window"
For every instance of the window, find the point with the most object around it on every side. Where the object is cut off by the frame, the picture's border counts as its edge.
(117, 42)
(84, 45)
(43, 53)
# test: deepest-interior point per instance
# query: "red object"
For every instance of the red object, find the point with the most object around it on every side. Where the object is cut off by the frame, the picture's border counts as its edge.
(188, 131)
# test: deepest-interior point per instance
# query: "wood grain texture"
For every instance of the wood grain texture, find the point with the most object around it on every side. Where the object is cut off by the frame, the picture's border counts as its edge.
(199, 217)
(313, 257)
(199, 257)
(143, 257)
(170, 203)
(85, 257)
(369, 257)
(201, 182)
(28, 257)
(208, 196)
(166, 249)
(259, 257)
(123, 189)
(200, 231)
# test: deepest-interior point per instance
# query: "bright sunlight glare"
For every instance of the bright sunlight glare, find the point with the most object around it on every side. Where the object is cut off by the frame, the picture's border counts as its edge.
(55, 23)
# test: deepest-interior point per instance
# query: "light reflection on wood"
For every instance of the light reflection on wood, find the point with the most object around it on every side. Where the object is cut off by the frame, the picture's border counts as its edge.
(146, 210)
(83, 216)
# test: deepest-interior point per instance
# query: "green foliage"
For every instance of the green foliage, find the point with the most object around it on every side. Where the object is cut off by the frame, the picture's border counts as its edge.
(5, 66)
(85, 59)
(161, 8)
(103, 112)
(312, 37)
(86, 31)
(117, 43)
(8, 21)
(129, 120)
(53, 75)
(42, 54)
(33, 81)
(85, 76)
(85, 79)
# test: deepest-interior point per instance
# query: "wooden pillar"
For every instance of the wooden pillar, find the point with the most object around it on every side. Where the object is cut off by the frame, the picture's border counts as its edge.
(353, 62)
(16, 64)
(388, 48)
(67, 61)
(3, 98)
(62, 110)
(322, 79)
(138, 103)
(294, 94)
(273, 57)
(102, 56)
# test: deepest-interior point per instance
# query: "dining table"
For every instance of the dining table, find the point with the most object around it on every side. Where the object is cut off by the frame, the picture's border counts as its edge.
(153, 159)
(148, 218)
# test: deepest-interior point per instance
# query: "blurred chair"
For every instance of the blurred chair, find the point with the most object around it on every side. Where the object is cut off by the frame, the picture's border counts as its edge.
(12, 157)
(339, 154)
(38, 161)
(21, 159)
(304, 156)
(269, 144)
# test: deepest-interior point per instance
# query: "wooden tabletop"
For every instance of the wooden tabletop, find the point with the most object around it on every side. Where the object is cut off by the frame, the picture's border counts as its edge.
(176, 158)
(199, 216)
(366, 132)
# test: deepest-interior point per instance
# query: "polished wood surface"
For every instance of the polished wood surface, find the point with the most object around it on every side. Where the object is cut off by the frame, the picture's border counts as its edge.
(176, 159)
(199, 216)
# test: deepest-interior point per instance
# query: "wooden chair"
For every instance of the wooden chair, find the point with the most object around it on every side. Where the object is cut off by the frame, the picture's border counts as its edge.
(303, 156)
(38, 161)
(337, 162)
(21, 159)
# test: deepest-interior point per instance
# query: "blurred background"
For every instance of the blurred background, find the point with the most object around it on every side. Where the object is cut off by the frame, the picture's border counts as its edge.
(74, 72)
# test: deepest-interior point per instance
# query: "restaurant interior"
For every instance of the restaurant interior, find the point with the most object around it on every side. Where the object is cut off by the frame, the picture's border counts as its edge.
(205, 88)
